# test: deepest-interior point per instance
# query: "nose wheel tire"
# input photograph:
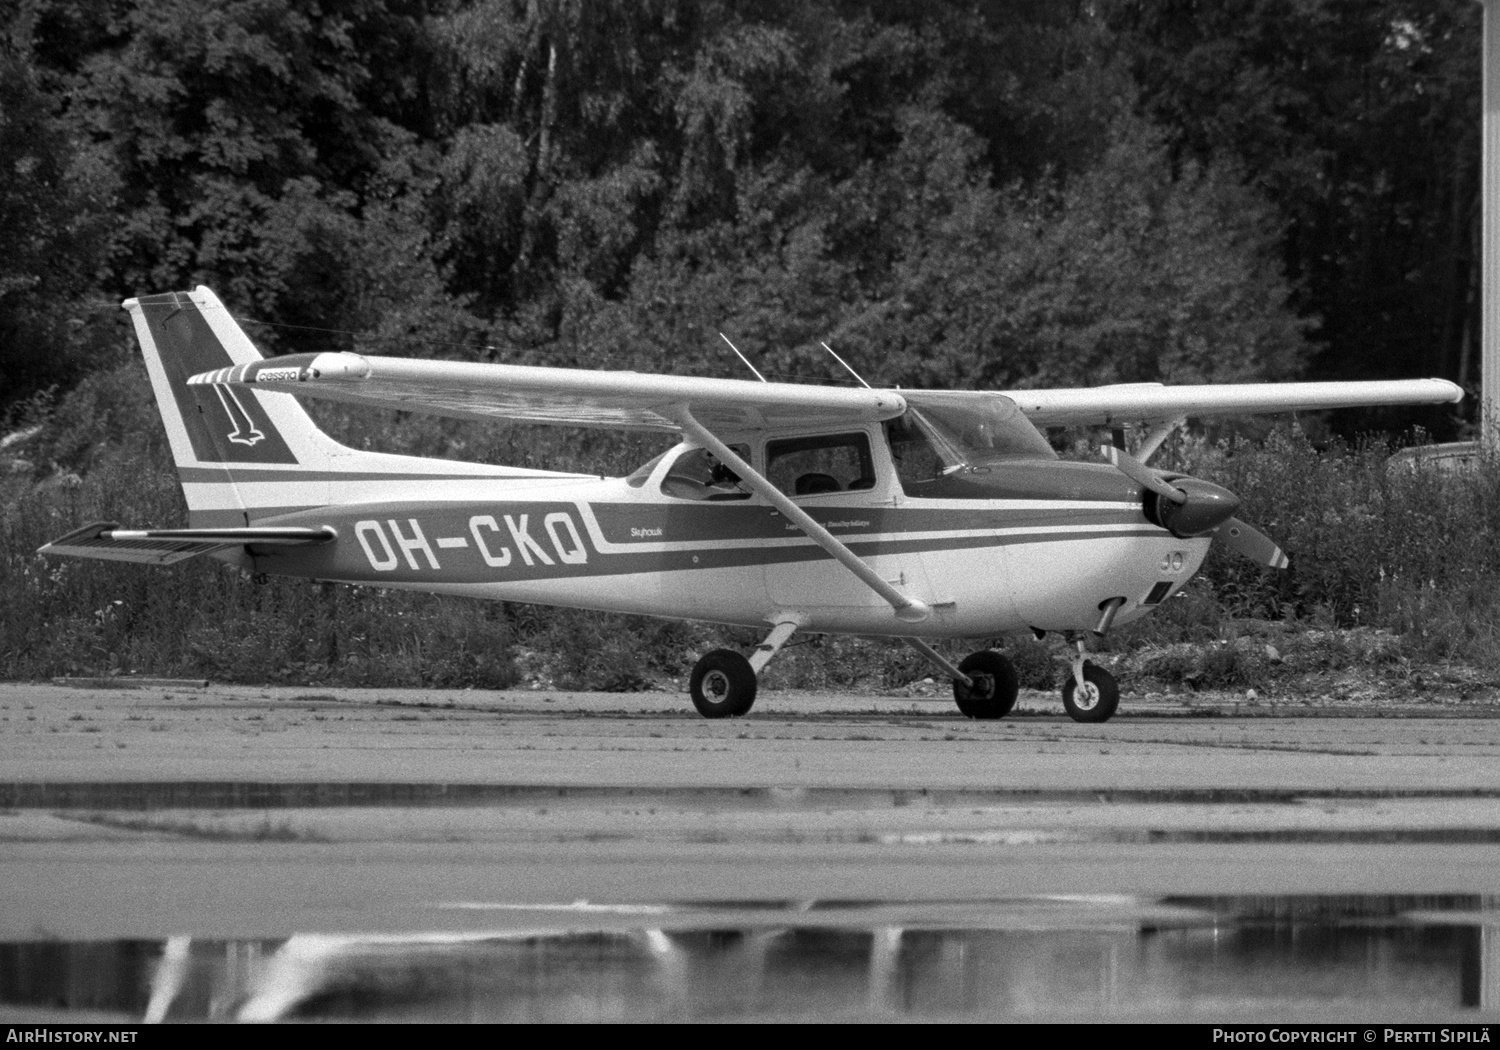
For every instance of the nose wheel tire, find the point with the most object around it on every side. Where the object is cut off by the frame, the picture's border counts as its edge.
(1098, 698)
(722, 685)
(993, 693)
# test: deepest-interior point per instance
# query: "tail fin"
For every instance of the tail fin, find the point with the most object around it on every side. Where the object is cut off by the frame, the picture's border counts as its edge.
(183, 333)
(242, 457)
(247, 457)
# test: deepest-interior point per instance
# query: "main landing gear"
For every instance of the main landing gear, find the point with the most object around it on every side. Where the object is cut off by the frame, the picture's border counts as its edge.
(985, 684)
(723, 682)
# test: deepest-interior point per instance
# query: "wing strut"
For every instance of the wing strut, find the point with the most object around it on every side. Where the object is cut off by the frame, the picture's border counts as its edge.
(908, 610)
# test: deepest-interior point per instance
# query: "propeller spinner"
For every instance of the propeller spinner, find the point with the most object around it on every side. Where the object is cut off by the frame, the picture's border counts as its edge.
(1191, 507)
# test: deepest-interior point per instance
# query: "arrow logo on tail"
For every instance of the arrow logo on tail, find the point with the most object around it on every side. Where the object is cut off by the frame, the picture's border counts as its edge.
(244, 432)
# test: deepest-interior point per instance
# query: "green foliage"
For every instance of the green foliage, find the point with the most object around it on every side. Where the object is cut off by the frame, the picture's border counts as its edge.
(952, 197)
(1360, 122)
(54, 195)
(1405, 558)
(974, 196)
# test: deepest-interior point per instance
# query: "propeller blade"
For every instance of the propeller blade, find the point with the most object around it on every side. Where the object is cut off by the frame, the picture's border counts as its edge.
(1249, 542)
(1141, 474)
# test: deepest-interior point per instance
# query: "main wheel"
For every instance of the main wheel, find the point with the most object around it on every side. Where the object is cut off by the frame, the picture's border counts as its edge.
(723, 684)
(1098, 698)
(993, 693)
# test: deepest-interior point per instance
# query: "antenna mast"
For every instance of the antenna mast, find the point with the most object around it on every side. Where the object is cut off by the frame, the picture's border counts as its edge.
(743, 358)
(851, 371)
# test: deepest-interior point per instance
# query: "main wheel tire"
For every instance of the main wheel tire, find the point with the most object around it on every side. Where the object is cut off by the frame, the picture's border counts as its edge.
(723, 684)
(1098, 698)
(995, 686)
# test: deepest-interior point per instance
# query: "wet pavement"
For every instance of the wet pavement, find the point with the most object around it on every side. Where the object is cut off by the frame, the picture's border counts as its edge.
(1290, 959)
(177, 853)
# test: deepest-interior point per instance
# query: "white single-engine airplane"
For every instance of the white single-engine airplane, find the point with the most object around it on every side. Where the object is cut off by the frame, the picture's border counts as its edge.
(912, 515)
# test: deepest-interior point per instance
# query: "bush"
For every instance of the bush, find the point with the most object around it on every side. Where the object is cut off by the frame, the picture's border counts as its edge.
(1404, 564)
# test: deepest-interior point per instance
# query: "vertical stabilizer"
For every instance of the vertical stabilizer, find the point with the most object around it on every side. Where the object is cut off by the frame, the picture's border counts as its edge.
(241, 457)
(246, 456)
(183, 333)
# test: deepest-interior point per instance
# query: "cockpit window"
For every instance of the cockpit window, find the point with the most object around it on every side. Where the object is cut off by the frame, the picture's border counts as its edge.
(946, 433)
(698, 474)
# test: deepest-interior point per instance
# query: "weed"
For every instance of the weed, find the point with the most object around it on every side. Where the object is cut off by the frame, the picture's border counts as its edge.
(1407, 561)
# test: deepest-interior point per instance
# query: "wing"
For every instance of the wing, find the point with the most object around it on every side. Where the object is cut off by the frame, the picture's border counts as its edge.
(1153, 403)
(106, 541)
(628, 400)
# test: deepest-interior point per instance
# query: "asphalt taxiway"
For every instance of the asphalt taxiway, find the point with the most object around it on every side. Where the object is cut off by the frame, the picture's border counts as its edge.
(173, 851)
(247, 811)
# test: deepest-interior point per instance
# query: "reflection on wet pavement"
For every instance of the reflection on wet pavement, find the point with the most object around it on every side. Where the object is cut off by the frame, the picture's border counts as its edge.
(1188, 957)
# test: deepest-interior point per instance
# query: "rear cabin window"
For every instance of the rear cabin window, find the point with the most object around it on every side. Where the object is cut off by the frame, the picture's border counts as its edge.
(826, 463)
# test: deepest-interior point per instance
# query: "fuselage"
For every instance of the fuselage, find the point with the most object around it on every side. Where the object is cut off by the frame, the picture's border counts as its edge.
(1029, 543)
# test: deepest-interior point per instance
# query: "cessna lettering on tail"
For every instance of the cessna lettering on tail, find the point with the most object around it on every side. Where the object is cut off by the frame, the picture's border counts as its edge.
(912, 515)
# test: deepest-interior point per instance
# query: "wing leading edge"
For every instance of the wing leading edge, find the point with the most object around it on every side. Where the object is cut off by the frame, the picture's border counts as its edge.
(632, 400)
(1152, 403)
(579, 397)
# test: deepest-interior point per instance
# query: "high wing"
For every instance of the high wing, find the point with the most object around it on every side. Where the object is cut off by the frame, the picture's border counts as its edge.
(580, 397)
(106, 541)
(633, 400)
(1154, 403)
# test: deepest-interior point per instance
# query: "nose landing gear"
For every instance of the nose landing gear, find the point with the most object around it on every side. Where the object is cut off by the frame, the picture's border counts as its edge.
(1090, 693)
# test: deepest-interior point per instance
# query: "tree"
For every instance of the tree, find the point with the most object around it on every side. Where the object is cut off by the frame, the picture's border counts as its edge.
(53, 201)
(1360, 123)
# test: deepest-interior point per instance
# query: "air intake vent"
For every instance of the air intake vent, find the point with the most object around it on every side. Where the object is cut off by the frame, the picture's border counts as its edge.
(1159, 593)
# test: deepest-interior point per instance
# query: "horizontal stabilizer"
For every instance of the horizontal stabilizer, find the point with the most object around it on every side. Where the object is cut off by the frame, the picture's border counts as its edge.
(106, 541)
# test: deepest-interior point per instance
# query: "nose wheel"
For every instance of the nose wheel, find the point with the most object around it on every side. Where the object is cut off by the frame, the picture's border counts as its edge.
(1090, 694)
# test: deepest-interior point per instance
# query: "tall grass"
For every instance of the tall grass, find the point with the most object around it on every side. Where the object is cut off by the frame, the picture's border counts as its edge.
(1414, 553)
(1411, 551)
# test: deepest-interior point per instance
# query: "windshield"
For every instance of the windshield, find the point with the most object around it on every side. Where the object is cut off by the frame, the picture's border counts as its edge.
(948, 431)
(643, 472)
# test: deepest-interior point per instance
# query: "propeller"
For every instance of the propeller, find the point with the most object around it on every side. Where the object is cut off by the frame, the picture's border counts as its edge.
(1249, 542)
(1142, 475)
(1192, 507)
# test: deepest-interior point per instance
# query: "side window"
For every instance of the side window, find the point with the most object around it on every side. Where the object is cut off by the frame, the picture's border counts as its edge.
(698, 474)
(827, 463)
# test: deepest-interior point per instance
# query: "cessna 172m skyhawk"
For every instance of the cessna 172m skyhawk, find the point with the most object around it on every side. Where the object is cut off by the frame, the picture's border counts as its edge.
(912, 515)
